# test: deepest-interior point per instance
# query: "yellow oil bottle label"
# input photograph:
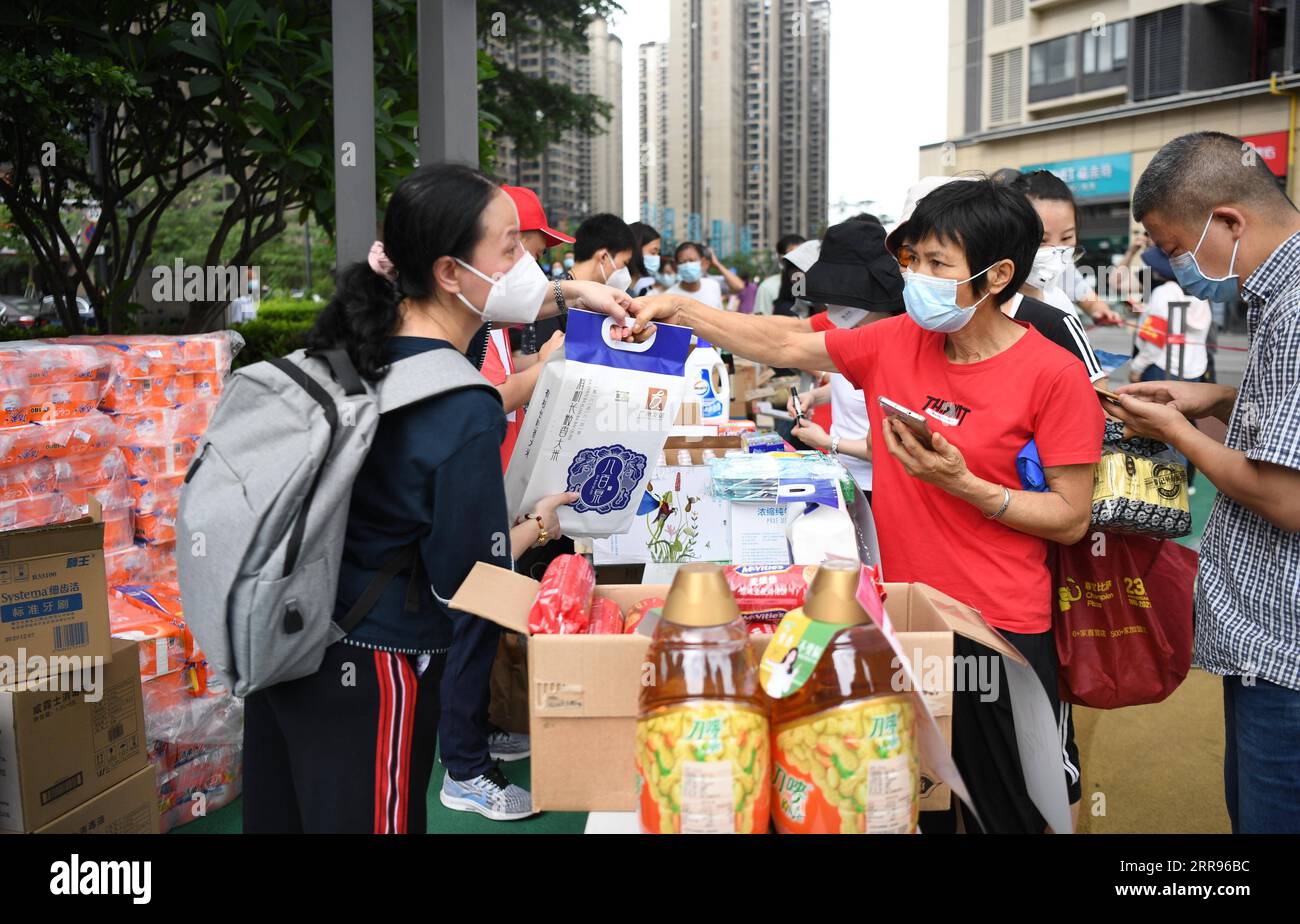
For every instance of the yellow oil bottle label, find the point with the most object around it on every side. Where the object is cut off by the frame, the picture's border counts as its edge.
(703, 769)
(854, 769)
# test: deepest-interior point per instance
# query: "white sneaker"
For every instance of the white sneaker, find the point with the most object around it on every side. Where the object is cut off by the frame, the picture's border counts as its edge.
(491, 795)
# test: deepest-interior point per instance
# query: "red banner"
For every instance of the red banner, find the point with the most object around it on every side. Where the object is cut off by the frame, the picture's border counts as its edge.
(1271, 146)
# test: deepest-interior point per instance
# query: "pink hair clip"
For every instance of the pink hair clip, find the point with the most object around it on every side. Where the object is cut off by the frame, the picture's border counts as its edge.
(380, 263)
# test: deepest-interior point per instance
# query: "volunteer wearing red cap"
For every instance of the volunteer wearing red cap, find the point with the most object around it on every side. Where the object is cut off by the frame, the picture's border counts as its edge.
(491, 348)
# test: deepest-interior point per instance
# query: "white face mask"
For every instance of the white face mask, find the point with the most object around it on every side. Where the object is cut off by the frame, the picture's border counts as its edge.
(621, 278)
(515, 297)
(1049, 264)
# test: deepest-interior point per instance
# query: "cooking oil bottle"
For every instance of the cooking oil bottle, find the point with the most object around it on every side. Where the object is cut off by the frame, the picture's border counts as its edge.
(702, 738)
(843, 740)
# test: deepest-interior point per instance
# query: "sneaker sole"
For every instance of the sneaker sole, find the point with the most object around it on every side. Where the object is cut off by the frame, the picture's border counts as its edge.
(457, 804)
(510, 758)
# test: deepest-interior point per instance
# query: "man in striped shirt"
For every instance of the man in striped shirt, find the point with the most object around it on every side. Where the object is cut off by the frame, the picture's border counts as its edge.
(1213, 206)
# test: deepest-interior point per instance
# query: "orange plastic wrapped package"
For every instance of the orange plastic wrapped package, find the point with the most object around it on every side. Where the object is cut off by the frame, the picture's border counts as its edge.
(96, 433)
(90, 470)
(144, 355)
(163, 640)
(127, 395)
(162, 560)
(119, 529)
(51, 362)
(606, 617)
(156, 526)
(43, 510)
(147, 461)
(207, 385)
(563, 604)
(156, 492)
(30, 480)
(48, 403)
(156, 427)
(131, 565)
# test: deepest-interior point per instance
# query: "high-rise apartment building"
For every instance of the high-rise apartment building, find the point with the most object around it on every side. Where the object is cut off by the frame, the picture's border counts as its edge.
(1092, 90)
(652, 110)
(577, 175)
(745, 138)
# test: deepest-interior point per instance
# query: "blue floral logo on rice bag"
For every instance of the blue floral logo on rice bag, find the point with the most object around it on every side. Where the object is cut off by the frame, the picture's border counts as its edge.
(605, 478)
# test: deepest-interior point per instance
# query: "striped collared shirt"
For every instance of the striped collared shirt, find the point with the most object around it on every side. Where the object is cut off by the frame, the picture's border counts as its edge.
(1248, 592)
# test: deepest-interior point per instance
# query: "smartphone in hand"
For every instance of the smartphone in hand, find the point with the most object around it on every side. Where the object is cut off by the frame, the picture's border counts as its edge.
(919, 426)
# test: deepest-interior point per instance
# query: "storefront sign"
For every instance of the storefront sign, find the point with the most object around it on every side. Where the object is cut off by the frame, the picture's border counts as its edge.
(1272, 147)
(1092, 177)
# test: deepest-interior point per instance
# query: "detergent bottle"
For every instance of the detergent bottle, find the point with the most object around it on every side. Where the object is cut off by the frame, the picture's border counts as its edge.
(844, 749)
(710, 383)
(702, 741)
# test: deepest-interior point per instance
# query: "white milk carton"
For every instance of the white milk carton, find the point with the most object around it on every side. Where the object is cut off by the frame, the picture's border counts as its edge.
(599, 417)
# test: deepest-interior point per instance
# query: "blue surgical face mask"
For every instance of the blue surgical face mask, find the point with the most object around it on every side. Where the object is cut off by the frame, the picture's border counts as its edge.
(1198, 285)
(690, 271)
(568, 262)
(932, 302)
(651, 262)
(667, 280)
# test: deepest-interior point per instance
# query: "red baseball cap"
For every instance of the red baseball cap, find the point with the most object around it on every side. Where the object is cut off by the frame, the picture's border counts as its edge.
(532, 217)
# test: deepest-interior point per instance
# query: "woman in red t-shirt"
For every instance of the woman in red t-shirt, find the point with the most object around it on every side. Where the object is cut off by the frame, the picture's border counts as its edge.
(952, 515)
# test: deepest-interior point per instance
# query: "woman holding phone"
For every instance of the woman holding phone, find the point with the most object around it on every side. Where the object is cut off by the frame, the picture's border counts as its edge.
(951, 515)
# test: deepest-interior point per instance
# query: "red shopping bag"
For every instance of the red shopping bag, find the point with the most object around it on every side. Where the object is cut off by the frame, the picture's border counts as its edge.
(1123, 619)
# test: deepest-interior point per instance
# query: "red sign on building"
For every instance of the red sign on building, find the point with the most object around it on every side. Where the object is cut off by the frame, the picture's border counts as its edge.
(1273, 148)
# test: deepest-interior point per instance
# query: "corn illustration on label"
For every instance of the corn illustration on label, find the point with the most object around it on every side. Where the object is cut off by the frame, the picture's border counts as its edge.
(703, 769)
(854, 769)
(792, 655)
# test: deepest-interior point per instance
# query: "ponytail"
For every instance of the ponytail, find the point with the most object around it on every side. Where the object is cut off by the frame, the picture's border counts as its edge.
(360, 317)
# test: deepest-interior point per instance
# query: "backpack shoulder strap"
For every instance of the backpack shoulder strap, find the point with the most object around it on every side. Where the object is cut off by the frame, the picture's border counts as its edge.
(425, 375)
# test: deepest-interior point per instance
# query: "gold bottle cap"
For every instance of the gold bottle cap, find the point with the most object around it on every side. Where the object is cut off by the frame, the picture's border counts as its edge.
(700, 597)
(833, 596)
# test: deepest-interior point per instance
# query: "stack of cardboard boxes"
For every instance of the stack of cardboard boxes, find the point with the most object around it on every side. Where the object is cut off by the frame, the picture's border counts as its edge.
(116, 421)
(73, 749)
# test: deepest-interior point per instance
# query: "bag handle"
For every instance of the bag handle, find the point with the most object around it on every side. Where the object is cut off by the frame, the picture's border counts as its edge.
(341, 366)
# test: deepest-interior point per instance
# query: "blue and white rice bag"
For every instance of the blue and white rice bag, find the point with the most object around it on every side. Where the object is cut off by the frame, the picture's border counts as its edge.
(598, 419)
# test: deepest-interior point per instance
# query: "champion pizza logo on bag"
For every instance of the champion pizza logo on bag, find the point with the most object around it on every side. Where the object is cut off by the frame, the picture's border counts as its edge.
(605, 477)
(946, 412)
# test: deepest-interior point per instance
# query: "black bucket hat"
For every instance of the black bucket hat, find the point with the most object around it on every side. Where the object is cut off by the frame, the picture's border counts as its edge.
(855, 270)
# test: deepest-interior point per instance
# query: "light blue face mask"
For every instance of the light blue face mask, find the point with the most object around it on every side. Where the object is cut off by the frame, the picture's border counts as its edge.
(651, 261)
(690, 271)
(1198, 285)
(932, 302)
(667, 280)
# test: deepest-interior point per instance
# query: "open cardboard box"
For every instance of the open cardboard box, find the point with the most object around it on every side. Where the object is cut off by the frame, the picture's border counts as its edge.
(584, 690)
(747, 379)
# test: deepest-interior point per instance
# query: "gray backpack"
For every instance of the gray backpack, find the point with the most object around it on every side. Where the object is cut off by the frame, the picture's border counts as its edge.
(264, 508)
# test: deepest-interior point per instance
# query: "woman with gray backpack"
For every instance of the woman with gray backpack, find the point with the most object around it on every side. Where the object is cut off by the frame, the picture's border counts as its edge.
(340, 497)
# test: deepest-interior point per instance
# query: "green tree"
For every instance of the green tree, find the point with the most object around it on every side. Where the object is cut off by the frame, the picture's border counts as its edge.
(123, 107)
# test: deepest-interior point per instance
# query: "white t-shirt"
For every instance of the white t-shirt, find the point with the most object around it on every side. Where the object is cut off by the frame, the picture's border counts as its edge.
(1154, 324)
(710, 293)
(849, 420)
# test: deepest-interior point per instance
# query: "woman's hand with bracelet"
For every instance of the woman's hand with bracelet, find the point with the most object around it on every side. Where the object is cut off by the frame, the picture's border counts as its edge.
(545, 514)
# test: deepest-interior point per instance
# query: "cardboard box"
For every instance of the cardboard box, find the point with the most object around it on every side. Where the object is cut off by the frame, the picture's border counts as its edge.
(748, 378)
(53, 597)
(58, 749)
(584, 690)
(130, 807)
